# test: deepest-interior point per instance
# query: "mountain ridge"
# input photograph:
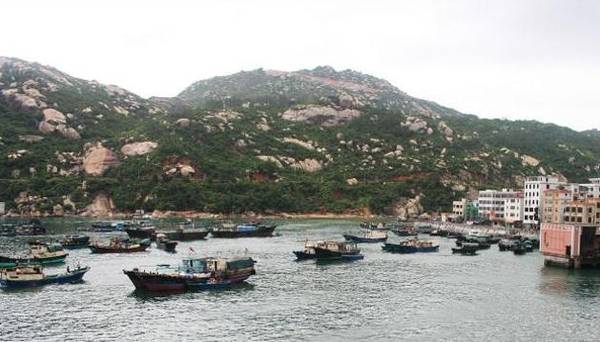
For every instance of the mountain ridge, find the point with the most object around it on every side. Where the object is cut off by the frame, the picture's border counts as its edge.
(260, 141)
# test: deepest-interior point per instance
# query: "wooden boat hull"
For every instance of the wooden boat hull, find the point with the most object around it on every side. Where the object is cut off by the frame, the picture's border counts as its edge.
(8, 262)
(397, 248)
(362, 239)
(141, 233)
(154, 282)
(326, 254)
(168, 246)
(186, 235)
(404, 233)
(66, 278)
(262, 231)
(464, 251)
(96, 249)
(303, 255)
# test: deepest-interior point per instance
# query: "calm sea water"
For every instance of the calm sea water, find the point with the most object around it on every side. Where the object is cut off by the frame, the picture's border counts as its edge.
(385, 297)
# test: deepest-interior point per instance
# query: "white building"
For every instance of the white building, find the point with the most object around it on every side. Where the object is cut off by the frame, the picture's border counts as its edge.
(513, 209)
(492, 204)
(533, 191)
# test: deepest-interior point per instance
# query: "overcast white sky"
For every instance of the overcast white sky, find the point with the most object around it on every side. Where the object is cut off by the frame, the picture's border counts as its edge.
(508, 59)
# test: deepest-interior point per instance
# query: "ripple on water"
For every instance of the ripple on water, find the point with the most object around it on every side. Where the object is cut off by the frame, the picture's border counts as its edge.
(385, 297)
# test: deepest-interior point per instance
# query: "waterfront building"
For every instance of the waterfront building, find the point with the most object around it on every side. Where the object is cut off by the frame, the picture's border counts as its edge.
(585, 211)
(492, 203)
(553, 206)
(458, 207)
(533, 190)
(570, 245)
(513, 209)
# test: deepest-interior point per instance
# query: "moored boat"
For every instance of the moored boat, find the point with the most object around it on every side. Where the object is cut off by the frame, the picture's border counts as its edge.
(193, 274)
(412, 246)
(144, 230)
(337, 250)
(34, 276)
(371, 236)
(309, 250)
(39, 253)
(118, 245)
(243, 230)
(466, 248)
(505, 245)
(75, 241)
(405, 231)
(164, 243)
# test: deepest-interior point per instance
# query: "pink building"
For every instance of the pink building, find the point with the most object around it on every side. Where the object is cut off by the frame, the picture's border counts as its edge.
(570, 245)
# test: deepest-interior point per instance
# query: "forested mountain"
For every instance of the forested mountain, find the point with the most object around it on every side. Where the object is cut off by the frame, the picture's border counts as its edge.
(264, 141)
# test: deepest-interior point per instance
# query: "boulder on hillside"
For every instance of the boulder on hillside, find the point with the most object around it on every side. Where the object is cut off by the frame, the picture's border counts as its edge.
(98, 159)
(325, 116)
(101, 206)
(138, 148)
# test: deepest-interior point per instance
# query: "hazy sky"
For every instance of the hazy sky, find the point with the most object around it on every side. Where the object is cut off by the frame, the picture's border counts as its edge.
(513, 59)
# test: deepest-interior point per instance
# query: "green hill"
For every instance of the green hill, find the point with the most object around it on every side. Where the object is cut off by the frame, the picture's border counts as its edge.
(260, 141)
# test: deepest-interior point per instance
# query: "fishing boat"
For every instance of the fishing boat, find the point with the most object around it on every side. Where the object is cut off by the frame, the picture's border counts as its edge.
(33, 228)
(337, 250)
(412, 246)
(39, 253)
(193, 274)
(505, 245)
(144, 230)
(34, 276)
(119, 245)
(243, 230)
(8, 230)
(75, 241)
(164, 243)
(370, 236)
(466, 248)
(405, 231)
(309, 250)
(519, 248)
(374, 226)
(183, 234)
(424, 228)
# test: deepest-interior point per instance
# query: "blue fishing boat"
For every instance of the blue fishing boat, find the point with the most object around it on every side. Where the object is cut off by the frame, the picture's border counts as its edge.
(34, 276)
(193, 275)
(412, 246)
(371, 236)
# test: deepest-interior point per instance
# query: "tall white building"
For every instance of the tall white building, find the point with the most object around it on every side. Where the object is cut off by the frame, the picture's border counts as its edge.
(513, 208)
(492, 204)
(533, 190)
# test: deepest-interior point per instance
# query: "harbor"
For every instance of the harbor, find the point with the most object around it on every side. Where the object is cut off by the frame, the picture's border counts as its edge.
(384, 296)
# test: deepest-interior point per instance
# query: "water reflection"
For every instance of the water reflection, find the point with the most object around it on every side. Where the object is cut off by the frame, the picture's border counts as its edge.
(565, 282)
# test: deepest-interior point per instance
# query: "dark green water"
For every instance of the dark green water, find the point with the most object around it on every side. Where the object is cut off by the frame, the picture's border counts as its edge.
(424, 297)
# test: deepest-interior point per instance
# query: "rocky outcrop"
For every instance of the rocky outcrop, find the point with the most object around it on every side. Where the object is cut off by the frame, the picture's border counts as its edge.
(98, 159)
(325, 116)
(101, 206)
(529, 161)
(31, 138)
(138, 148)
(407, 208)
(183, 122)
(307, 165)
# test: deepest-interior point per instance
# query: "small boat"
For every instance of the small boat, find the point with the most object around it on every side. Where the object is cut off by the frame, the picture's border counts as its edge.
(193, 274)
(118, 245)
(309, 250)
(368, 237)
(505, 245)
(75, 241)
(424, 228)
(187, 232)
(33, 228)
(34, 276)
(243, 230)
(405, 231)
(143, 231)
(39, 253)
(412, 246)
(337, 250)
(8, 230)
(164, 243)
(466, 249)
(519, 248)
